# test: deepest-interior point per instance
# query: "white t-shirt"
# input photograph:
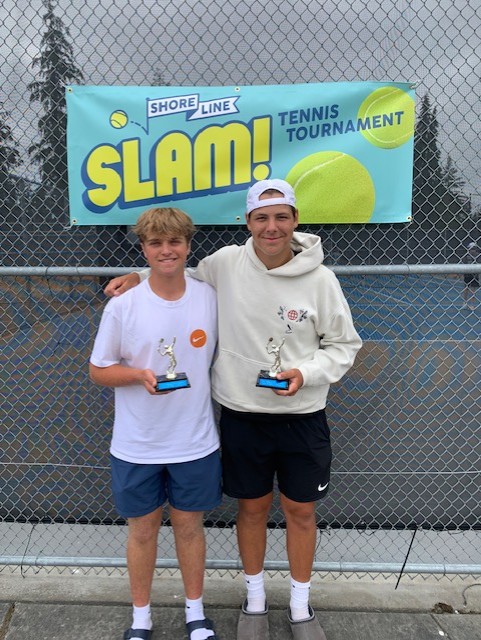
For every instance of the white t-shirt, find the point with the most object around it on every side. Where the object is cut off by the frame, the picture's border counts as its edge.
(179, 426)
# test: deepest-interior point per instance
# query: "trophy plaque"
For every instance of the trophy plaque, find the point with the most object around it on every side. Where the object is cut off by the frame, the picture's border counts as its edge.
(171, 380)
(267, 377)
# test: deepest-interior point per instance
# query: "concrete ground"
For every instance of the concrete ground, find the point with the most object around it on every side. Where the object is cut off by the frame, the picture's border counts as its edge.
(62, 604)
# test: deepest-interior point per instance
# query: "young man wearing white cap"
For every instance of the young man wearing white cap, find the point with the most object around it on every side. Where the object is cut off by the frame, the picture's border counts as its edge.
(275, 287)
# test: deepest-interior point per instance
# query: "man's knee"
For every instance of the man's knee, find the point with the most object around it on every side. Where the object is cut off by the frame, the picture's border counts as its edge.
(256, 509)
(143, 533)
(188, 525)
(144, 529)
(301, 514)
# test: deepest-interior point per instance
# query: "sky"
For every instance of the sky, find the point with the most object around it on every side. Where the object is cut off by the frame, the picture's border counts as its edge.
(434, 43)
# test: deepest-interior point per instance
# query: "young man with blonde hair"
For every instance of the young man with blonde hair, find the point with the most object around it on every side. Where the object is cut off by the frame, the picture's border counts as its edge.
(165, 446)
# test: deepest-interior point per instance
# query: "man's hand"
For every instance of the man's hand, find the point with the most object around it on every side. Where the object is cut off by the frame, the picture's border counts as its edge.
(296, 380)
(148, 379)
(121, 284)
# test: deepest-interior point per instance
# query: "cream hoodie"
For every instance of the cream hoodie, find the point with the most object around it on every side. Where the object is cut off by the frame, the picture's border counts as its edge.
(300, 301)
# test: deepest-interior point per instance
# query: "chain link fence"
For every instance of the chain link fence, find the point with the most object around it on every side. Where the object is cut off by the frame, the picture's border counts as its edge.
(404, 421)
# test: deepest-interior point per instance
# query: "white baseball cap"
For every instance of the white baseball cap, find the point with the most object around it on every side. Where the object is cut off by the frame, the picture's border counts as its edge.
(258, 188)
(472, 245)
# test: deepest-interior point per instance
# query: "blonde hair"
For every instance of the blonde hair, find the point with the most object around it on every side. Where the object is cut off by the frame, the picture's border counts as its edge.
(164, 221)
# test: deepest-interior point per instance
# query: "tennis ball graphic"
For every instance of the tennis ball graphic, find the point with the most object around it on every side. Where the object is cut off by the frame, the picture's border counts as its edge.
(332, 186)
(118, 119)
(391, 116)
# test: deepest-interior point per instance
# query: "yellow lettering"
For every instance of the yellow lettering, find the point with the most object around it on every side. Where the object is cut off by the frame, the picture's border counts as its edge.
(224, 153)
(100, 173)
(217, 158)
(261, 130)
(134, 188)
(173, 165)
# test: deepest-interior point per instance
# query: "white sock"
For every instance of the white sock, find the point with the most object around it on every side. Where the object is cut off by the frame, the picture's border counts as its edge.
(194, 610)
(256, 594)
(299, 599)
(142, 618)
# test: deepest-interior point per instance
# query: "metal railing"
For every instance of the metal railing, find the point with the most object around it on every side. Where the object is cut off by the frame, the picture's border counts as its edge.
(404, 423)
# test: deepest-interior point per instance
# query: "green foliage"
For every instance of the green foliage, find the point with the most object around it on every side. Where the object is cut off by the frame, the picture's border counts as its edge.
(9, 154)
(56, 68)
(438, 199)
(9, 161)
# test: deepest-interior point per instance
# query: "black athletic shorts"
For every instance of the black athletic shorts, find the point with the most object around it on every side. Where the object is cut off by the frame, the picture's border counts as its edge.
(256, 447)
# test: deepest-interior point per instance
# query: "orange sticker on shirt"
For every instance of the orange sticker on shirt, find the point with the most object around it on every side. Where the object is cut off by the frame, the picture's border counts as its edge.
(198, 338)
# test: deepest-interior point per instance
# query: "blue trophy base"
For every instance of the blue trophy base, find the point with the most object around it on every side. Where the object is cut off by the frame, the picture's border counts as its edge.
(267, 381)
(180, 381)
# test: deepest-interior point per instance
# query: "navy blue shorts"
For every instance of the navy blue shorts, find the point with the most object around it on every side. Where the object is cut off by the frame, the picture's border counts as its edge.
(257, 447)
(140, 489)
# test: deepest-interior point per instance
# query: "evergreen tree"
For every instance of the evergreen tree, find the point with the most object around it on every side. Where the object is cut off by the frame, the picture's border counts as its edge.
(451, 177)
(476, 220)
(441, 211)
(438, 197)
(57, 68)
(457, 203)
(427, 168)
(9, 154)
(9, 160)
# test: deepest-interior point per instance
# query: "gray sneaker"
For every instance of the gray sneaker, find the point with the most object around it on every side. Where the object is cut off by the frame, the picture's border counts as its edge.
(308, 629)
(253, 626)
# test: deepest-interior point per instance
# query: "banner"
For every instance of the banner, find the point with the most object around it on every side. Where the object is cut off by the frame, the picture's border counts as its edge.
(346, 148)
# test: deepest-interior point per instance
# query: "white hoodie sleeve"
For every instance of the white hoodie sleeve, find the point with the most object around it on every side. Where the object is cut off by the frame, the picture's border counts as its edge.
(339, 340)
(144, 274)
(205, 270)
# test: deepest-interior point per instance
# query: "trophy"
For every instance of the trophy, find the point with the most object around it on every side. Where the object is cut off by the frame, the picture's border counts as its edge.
(267, 377)
(171, 380)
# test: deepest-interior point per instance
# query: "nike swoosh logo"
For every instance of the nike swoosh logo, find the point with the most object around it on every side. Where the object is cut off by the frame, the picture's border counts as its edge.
(322, 487)
(197, 339)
